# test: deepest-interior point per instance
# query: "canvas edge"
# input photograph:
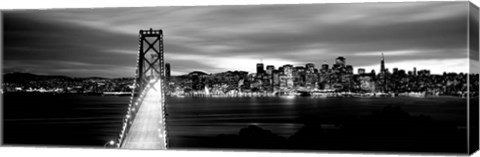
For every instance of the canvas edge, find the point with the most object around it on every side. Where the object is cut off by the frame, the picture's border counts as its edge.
(472, 109)
(1, 78)
(470, 113)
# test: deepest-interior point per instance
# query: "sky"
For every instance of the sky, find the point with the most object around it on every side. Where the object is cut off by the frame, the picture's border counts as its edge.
(104, 42)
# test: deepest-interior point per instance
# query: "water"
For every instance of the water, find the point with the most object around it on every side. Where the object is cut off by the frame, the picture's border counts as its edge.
(62, 120)
(91, 121)
(194, 122)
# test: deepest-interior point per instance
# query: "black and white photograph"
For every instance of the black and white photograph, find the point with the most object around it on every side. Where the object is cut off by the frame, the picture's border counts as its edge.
(394, 77)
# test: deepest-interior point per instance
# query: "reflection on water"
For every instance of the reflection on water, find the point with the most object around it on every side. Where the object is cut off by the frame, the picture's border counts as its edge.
(80, 120)
(192, 120)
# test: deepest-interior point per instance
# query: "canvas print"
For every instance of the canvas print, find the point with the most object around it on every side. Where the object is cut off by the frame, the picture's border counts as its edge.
(389, 77)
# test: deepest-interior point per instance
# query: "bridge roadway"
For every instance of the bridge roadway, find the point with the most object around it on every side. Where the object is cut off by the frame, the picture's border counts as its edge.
(147, 131)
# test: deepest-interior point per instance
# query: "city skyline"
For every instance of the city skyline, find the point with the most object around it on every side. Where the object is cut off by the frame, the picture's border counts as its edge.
(103, 42)
(303, 65)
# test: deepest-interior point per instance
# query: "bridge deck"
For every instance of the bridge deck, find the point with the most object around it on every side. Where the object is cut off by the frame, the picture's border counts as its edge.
(146, 131)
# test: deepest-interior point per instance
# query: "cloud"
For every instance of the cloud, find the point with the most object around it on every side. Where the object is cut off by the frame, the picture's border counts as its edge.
(232, 63)
(39, 44)
(219, 38)
(436, 66)
(388, 53)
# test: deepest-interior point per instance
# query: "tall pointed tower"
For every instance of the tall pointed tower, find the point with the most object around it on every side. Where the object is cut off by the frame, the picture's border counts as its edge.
(382, 65)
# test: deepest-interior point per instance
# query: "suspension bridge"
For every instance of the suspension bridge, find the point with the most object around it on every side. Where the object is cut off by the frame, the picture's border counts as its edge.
(144, 123)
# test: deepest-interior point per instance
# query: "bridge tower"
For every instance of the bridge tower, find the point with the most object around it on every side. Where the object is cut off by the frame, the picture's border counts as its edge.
(144, 124)
(150, 61)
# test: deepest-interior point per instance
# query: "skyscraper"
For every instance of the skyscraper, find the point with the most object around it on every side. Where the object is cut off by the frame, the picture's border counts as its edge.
(382, 65)
(395, 71)
(361, 71)
(383, 73)
(340, 61)
(324, 68)
(310, 67)
(349, 69)
(276, 79)
(270, 69)
(259, 68)
(288, 70)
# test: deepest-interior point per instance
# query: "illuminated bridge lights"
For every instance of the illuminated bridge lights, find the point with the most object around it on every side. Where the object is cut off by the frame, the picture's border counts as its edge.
(144, 121)
(148, 122)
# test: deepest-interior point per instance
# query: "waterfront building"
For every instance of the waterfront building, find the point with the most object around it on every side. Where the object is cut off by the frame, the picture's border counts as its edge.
(310, 80)
(251, 77)
(267, 80)
(257, 85)
(367, 83)
(283, 79)
(299, 76)
(276, 78)
(288, 70)
(197, 80)
(290, 83)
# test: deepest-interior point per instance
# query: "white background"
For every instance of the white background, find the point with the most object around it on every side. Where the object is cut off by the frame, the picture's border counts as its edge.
(82, 152)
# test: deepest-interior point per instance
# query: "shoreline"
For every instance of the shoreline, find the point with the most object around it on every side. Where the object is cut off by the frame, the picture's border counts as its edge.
(324, 95)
